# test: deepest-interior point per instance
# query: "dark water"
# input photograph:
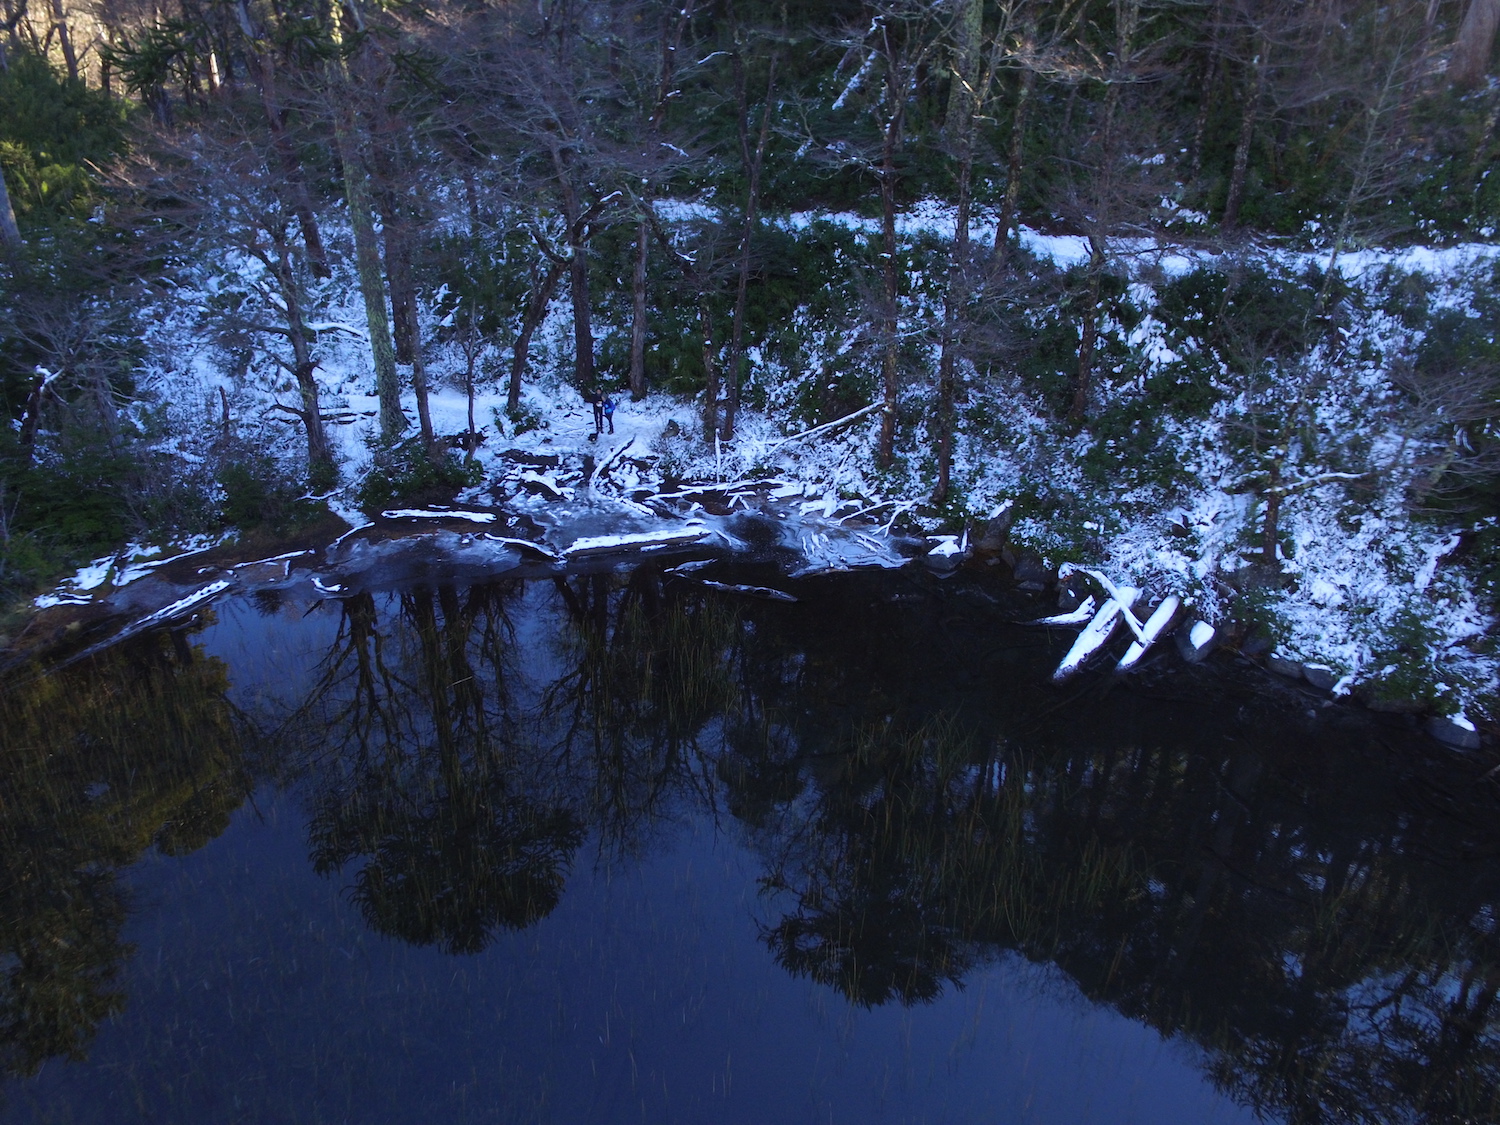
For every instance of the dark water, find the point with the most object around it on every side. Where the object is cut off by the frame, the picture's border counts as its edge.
(620, 848)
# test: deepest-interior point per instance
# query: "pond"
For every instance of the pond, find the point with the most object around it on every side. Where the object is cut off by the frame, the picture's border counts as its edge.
(622, 846)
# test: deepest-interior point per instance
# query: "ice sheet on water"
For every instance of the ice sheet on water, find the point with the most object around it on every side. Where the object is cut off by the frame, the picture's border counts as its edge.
(433, 514)
(605, 544)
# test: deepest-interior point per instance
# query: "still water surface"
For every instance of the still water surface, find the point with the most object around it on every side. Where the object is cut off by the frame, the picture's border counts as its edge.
(620, 848)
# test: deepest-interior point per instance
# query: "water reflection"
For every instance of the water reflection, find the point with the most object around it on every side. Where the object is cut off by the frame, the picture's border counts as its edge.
(1313, 904)
(138, 748)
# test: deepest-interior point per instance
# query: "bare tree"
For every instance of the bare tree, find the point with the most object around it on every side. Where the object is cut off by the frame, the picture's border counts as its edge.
(754, 161)
(559, 95)
(1114, 177)
(899, 41)
(262, 62)
(674, 27)
(217, 187)
(977, 56)
(701, 271)
(349, 49)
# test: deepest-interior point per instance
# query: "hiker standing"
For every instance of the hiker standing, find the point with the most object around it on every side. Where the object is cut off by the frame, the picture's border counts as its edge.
(609, 411)
(596, 400)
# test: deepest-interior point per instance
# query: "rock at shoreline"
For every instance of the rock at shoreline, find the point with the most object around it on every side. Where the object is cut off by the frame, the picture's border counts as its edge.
(1196, 639)
(1320, 676)
(1454, 730)
(1291, 669)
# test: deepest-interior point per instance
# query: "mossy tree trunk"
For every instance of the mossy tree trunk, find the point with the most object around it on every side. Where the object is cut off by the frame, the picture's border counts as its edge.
(366, 250)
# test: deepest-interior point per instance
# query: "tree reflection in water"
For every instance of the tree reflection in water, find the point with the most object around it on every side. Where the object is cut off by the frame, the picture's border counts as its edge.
(1315, 910)
(420, 780)
(1316, 914)
(101, 761)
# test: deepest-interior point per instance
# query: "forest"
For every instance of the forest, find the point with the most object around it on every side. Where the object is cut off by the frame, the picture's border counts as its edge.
(1201, 292)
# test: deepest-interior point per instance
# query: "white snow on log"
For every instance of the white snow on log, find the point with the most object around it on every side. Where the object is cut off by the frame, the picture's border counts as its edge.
(430, 514)
(609, 462)
(946, 546)
(522, 545)
(1195, 638)
(336, 588)
(181, 605)
(47, 601)
(544, 482)
(1115, 593)
(1073, 617)
(93, 575)
(732, 486)
(605, 544)
(752, 591)
(1425, 573)
(1155, 625)
(338, 326)
(691, 567)
(279, 558)
(837, 549)
(1097, 633)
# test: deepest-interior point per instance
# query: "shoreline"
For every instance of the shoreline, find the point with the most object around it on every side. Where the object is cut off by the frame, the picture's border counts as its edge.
(760, 527)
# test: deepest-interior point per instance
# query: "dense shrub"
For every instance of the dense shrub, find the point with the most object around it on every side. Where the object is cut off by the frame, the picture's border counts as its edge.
(408, 472)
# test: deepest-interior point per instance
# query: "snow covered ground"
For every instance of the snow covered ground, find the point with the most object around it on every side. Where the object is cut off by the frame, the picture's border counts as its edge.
(1372, 592)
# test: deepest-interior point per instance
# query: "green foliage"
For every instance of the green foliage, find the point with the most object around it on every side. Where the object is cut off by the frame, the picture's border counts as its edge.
(1130, 450)
(1246, 316)
(58, 512)
(522, 419)
(1454, 341)
(53, 132)
(482, 285)
(408, 472)
(258, 494)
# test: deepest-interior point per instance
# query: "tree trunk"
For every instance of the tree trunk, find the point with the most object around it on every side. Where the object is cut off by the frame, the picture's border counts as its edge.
(367, 255)
(419, 384)
(471, 353)
(710, 369)
(583, 331)
(638, 314)
(398, 278)
(754, 162)
(890, 369)
(1242, 145)
(1475, 43)
(65, 39)
(1200, 120)
(536, 309)
(1361, 179)
(32, 418)
(1088, 341)
(584, 377)
(286, 155)
(1014, 165)
(397, 218)
(1271, 525)
(320, 462)
(961, 113)
(10, 233)
(367, 260)
(1101, 223)
(666, 71)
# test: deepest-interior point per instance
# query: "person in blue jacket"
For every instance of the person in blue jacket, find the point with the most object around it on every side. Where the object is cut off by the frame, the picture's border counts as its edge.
(609, 411)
